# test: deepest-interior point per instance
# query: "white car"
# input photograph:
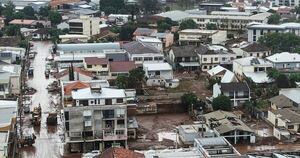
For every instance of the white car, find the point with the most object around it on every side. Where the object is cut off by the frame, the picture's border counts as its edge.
(92, 154)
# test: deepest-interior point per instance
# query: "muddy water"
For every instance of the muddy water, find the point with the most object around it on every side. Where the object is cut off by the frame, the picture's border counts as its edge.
(49, 139)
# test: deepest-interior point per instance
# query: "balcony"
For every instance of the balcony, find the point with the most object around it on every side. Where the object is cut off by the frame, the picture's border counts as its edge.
(111, 137)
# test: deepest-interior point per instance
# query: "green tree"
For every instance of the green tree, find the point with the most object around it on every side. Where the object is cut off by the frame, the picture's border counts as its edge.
(188, 24)
(211, 26)
(44, 12)
(294, 77)
(274, 19)
(122, 82)
(55, 17)
(273, 73)
(12, 30)
(28, 12)
(297, 9)
(111, 6)
(127, 31)
(150, 6)
(135, 78)
(222, 102)
(165, 24)
(283, 81)
(191, 102)
(8, 12)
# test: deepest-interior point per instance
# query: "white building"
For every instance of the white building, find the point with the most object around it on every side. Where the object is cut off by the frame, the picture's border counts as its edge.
(155, 42)
(70, 37)
(223, 74)
(85, 25)
(229, 22)
(285, 61)
(256, 30)
(197, 36)
(159, 74)
(290, 3)
(252, 67)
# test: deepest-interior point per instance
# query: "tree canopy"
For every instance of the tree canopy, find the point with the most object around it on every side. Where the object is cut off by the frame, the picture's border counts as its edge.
(150, 6)
(274, 19)
(55, 17)
(112, 6)
(188, 24)
(165, 24)
(190, 102)
(211, 26)
(127, 31)
(222, 102)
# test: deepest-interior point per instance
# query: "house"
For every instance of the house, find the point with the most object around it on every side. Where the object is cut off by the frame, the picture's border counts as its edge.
(285, 61)
(185, 57)
(257, 30)
(58, 4)
(229, 126)
(41, 34)
(198, 37)
(118, 152)
(98, 66)
(286, 118)
(166, 38)
(150, 41)
(222, 74)
(2, 23)
(11, 56)
(14, 77)
(280, 102)
(69, 37)
(120, 67)
(143, 32)
(256, 50)
(26, 32)
(253, 68)
(30, 23)
(78, 74)
(98, 115)
(142, 53)
(214, 56)
(293, 94)
(238, 92)
(159, 74)
(85, 25)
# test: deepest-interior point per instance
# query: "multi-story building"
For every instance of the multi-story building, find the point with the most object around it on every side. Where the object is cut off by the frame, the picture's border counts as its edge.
(85, 25)
(285, 61)
(216, 55)
(96, 119)
(255, 31)
(197, 37)
(229, 22)
(290, 3)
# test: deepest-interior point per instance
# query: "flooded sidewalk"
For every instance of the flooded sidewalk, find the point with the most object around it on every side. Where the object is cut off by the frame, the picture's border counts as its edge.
(48, 143)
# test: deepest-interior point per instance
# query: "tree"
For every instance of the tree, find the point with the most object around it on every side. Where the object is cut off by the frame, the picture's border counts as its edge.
(12, 30)
(8, 12)
(283, 81)
(127, 31)
(111, 6)
(55, 17)
(211, 26)
(122, 82)
(150, 6)
(273, 73)
(44, 12)
(222, 102)
(274, 19)
(188, 24)
(190, 102)
(135, 78)
(297, 9)
(165, 24)
(28, 12)
(294, 77)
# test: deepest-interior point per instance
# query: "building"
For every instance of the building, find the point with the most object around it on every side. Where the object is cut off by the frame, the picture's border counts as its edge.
(256, 50)
(41, 34)
(238, 92)
(209, 7)
(256, 30)
(143, 32)
(216, 55)
(96, 119)
(166, 38)
(117, 152)
(285, 61)
(185, 57)
(2, 23)
(85, 25)
(159, 74)
(98, 66)
(280, 102)
(289, 3)
(69, 38)
(120, 68)
(222, 74)
(229, 22)
(58, 4)
(78, 74)
(30, 23)
(198, 37)
(140, 53)
(253, 68)
(286, 118)
(228, 125)
(155, 42)
(292, 94)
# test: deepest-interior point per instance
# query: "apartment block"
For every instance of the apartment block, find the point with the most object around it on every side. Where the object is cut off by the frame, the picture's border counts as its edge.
(85, 25)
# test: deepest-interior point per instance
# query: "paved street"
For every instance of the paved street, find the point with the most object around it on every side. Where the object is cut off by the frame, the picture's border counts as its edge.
(48, 143)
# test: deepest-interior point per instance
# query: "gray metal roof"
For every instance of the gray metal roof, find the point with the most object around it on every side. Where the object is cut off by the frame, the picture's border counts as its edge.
(214, 141)
(87, 47)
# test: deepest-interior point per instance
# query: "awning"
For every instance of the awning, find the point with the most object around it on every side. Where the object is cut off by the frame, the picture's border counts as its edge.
(187, 64)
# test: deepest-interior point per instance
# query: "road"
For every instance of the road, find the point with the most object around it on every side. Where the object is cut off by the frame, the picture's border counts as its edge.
(48, 143)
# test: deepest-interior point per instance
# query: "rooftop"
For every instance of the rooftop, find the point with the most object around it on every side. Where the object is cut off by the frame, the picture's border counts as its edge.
(258, 77)
(255, 47)
(143, 31)
(281, 101)
(175, 15)
(157, 66)
(271, 26)
(234, 86)
(291, 93)
(189, 51)
(91, 47)
(8, 110)
(148, 39)
(75, 85)
(198, 31)
(260, 16)
(118, 152)
(22, 22)
(284, 57)
(136, 47)
(228, 76)
(247, 61)
(95, 61)
(288, 115)
(86, 93)
(121, 66)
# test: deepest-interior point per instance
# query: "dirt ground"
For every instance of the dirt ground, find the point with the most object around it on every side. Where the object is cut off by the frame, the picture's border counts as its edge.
(150, 125)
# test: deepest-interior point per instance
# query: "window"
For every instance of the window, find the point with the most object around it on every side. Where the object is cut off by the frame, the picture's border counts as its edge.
(157, 72)
(216, 59)
(104, 66)
(205, 67)
(204, 59)
(290, 126)
(108, 102)
(119, 100)
(254, 32)
(223, 59)
(67, 126)
(66, 115)
(119, 132)
(89, 66)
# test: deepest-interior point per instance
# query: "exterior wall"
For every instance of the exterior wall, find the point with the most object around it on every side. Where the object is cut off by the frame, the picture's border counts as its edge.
(15, 84)
(169, 40)
(55, 4)
(150, 58)
(291, 3)
(255, 34)
(77, 76)
(258, 54)
(90, 26)
(208, 61)
(2, 24)
(98, 69)
(286, 65)
(240, 69)
(163, 74)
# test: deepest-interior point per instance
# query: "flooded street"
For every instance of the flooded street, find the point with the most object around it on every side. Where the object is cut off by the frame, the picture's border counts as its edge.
(48, 143)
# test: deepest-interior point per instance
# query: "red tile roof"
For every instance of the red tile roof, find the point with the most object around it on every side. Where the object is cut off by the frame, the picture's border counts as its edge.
(116, 152)
(22, 22)
(76, 69)
(95, 61)
(121, 66)
(75, 85)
